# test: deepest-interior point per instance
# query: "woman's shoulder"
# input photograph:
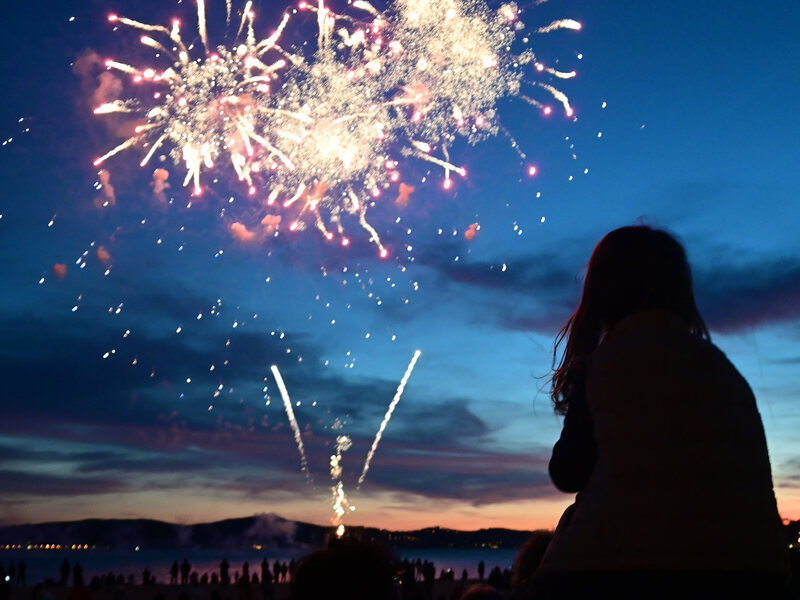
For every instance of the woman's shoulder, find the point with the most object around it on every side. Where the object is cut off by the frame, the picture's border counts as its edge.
(660, 343)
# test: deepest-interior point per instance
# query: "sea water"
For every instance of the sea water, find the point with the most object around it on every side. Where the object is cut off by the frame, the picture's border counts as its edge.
(44, 564)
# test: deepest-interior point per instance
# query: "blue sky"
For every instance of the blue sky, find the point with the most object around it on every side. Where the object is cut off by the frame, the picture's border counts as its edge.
(697, 135)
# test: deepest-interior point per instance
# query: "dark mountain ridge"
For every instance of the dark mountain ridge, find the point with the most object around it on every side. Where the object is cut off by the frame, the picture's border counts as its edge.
(266, 530)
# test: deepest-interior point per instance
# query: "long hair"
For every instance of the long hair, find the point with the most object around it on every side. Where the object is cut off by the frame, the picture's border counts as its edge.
(631, 269)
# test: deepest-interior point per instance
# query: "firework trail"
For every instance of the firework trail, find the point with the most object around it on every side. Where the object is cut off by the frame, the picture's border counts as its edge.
(287, 404)
(388, 415)
(339, 500)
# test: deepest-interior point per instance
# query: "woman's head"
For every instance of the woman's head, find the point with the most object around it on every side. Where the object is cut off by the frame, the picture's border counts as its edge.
(631, 269)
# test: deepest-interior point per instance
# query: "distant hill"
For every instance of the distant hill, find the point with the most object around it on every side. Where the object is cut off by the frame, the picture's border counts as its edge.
(266, 531)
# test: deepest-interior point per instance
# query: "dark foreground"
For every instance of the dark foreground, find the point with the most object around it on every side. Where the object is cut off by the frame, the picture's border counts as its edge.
(443, 589)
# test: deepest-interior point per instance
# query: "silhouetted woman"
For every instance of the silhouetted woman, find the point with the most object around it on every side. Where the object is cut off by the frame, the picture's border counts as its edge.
(662, 441)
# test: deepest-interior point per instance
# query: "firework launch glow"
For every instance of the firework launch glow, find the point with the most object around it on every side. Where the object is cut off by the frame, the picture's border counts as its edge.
(322, 138)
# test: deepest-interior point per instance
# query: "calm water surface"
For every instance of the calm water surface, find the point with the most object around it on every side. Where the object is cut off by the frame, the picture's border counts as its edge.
(45, 563)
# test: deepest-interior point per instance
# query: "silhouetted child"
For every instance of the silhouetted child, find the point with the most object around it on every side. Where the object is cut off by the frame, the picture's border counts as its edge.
(662, 441)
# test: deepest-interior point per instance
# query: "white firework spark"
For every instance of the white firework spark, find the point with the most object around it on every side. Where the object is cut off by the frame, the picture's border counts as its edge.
(287, 404)
(392, 405)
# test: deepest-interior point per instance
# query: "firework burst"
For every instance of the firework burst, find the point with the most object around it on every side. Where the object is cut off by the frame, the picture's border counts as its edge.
(325, 133)
(206, 109)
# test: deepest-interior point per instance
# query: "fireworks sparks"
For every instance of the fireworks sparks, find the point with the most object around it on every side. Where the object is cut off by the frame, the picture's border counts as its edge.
(207, 108)
(339, 501)
(323, 133)
(287, 404)
(388, 415)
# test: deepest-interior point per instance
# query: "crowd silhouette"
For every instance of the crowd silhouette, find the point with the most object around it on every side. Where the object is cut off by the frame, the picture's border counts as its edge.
(346, 569)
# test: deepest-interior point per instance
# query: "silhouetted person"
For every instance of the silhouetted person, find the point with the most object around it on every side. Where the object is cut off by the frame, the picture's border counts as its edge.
(244, 588)
(527, 560)
(246, 570)
(21, 569)
(173, 573)
(64, 570)
(481, 570)
(408, 581)
(496, 578)
(186, 568)
(146, 576)
(346, 570)
(77, 574)
(267, 592)
(662, 441)
(428, 575)
(223, 572)
(264, 567)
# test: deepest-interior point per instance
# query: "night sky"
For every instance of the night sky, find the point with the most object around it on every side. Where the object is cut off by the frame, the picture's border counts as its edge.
(686, 119)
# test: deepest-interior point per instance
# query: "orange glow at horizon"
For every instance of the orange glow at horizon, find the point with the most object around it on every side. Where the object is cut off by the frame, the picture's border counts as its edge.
(380, 510)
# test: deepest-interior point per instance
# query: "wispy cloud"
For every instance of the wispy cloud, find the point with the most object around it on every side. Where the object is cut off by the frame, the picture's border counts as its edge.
(739, 296)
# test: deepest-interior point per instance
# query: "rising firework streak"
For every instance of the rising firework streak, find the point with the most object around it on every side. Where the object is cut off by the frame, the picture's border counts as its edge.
(287, 404)
(388, 415)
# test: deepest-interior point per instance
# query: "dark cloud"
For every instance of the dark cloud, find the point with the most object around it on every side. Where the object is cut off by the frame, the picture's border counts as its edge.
(476, 476)
(537, 292)
(441, 424)
(545, 275)
(733, 297)
(534, 292)
(787, 473)
(19, 483)
(118, 463)
(789, 360)
(148, 431)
